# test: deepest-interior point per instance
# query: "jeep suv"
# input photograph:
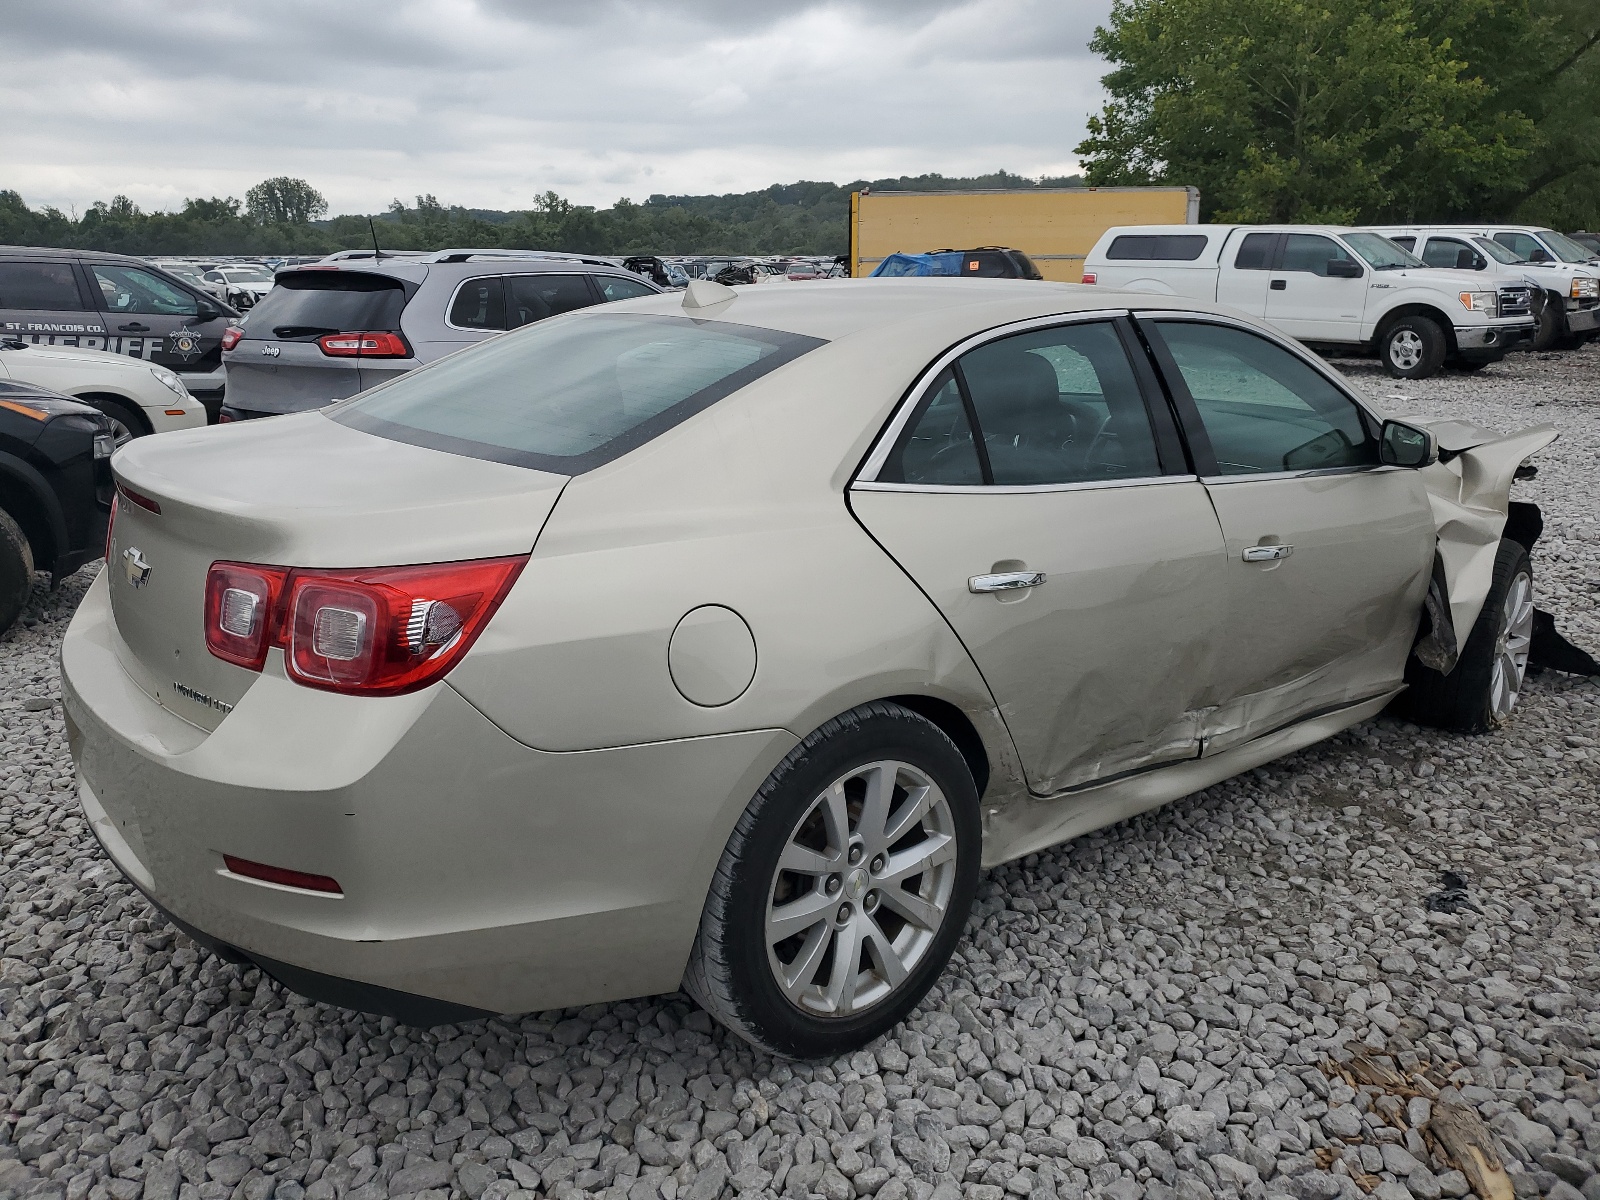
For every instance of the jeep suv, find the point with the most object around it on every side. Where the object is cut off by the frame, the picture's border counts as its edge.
(332, 329)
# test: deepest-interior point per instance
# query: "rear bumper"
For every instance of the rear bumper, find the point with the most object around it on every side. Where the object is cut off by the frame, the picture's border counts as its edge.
(475, 871)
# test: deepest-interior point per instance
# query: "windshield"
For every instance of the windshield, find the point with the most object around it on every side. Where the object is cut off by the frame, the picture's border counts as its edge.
(1381, 254)
(1496, 251)
(246, 275)
(568, 394)
(1565, 248)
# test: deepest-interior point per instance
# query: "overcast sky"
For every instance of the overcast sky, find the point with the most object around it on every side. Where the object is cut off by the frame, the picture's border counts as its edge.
(487, 103)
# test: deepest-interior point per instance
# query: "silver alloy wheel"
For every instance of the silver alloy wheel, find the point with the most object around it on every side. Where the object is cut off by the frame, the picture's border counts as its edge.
(120, 433)
(862, 888)
(1405, 350)
(1511, 650)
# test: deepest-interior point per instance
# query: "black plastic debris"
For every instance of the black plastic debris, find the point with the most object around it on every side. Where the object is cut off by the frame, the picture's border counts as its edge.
(1452, 897)
(1550, 651)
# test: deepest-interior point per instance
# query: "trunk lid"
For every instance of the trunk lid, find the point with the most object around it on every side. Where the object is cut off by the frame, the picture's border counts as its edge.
(298, 491)
(272, 376)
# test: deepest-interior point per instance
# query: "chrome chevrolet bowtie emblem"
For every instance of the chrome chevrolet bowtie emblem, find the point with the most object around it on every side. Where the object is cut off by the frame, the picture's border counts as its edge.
(136, 565)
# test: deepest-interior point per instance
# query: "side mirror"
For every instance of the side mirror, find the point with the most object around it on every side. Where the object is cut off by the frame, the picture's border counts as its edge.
(1402, 445)
(206, 311)
(1468, 260)
(1540, 256)
(1344, 268)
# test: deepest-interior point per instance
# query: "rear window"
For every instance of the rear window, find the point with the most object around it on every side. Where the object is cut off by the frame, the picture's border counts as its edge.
(571, 393)
(1176, 247)
(308, 304)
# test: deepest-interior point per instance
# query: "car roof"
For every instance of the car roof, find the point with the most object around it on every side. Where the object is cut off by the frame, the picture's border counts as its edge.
(839, 308)
(61, 252)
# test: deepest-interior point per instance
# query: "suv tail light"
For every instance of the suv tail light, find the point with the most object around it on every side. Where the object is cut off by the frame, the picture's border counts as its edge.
(374, 631)
(372, 344)
(231, 337)
(1089, 276)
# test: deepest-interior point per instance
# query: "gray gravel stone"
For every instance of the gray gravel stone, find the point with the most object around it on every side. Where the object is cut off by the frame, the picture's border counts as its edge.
(1147, 1011)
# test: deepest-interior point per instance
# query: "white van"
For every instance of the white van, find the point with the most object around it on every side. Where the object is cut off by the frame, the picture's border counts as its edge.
(1328, 286)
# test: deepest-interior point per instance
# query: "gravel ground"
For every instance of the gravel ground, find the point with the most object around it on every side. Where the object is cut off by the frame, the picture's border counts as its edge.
(1243, 993)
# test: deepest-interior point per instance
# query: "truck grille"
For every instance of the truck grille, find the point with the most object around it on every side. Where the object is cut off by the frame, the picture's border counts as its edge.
(1516, 302)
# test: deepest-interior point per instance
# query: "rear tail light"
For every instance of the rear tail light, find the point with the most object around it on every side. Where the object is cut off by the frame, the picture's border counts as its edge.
(370, 631)
(139, 499)
(364, 345)
(1089, 277)
(231, 337)
(282, 876)
(224, 417)
(111, 525)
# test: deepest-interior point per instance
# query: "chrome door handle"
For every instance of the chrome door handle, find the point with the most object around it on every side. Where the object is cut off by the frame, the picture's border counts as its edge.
(1006, 581)
(1266, 553)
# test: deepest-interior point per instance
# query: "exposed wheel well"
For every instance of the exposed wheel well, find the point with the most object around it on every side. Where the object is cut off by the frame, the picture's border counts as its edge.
(957, 727)
(24, 508)
(132, 406)
(1446, 326)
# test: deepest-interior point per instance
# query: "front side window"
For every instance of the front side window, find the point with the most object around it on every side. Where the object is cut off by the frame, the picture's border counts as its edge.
(614, 287)
(1255, 252)
(479, 304)
(567, 396)
(1052, 406)
(537, 297)
(1311, 253)
(1451, 254)
(1264, 409)
(1522, 245)
(130, 290)
(42, 286)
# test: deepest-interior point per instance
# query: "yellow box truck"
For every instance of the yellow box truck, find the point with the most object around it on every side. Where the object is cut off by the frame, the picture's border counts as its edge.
(1055, 227)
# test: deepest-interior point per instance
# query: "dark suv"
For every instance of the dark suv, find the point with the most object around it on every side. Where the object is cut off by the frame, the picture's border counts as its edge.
(116, 303)
(332, 329)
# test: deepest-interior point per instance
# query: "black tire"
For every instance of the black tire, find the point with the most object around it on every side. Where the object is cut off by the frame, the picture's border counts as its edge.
(16, 571)
(729, 970)
(1464, 700)
(1552, 324)
(127, 422)
(1412, 348)
(1471, 366)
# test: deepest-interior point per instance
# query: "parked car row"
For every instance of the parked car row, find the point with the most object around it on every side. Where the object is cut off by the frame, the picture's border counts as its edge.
(1475, 293)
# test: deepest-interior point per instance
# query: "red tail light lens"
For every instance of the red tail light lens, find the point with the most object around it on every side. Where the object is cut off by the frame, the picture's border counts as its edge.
(1089, 276)
(379, 631)
(231, 337)
(364, 345)
(282, 876)
(111, 525)
(241, 606)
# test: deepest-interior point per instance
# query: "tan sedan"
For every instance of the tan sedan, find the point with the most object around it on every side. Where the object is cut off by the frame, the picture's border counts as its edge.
(720, 639)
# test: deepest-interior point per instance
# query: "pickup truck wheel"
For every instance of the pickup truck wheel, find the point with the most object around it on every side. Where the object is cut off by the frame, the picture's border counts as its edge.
(1412, 348)
(16, 571)
(1483, 689)
(1552, 324)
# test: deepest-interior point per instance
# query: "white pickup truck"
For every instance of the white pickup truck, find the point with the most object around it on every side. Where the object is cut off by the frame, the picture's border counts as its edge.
(1329, 287)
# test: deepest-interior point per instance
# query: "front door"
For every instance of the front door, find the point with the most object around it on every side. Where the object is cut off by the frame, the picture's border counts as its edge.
(1328, 552)
(149, 316)
(1030, 496)
(1307, 301)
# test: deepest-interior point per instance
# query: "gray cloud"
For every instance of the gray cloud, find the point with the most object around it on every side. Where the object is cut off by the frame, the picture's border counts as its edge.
(488, 102)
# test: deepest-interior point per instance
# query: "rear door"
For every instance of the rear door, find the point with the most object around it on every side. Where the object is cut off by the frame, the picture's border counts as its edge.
(1306, 301)
(1328, 552)
(42, 301)
(150, 315)
(1038, 495)
(1243, 277)
(279, 365)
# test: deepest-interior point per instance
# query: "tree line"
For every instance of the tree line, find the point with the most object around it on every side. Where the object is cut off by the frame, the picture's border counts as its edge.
(288, 216)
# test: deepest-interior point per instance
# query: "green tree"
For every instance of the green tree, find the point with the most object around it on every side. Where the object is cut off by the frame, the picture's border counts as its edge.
(1305, 110)
(285, 201)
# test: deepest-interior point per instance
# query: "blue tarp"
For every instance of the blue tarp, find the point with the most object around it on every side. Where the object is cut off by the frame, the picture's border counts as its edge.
(903, 265)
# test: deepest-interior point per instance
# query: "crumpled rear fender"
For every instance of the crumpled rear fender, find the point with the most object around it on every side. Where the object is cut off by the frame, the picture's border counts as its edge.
(1470, 492)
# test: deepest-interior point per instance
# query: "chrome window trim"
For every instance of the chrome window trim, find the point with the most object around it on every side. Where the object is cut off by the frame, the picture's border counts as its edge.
(891, 432)
(1314, 473)
(450, 305)
(1019, 489)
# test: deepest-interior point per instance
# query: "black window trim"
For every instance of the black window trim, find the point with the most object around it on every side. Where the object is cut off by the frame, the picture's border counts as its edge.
(1149, 322)
(1174, 469)
(790, 346)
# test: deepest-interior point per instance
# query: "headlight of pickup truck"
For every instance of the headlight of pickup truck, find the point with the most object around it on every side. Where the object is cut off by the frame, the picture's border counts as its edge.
(1585, 289)
(170, 381)
(1478, 301)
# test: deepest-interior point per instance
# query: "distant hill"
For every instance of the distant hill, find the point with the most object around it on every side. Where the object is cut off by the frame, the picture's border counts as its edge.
(787, 218)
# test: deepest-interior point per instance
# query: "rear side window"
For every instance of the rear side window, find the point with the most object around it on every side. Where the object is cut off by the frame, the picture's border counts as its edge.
(1255, 252)
(480, 304)
(988, 265)
(46, 286)
(1175, 247)
(567, 396)
(309, 304)
(1405, 242)
(614, 287)
(536, 297)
